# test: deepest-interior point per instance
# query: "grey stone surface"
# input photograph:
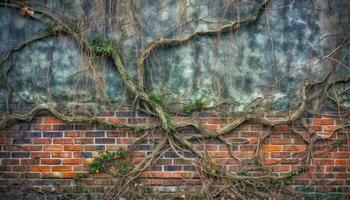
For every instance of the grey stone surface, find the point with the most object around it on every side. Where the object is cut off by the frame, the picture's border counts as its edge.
(285, 45)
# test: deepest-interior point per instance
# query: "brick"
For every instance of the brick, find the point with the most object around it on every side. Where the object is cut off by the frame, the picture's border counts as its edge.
(26, 134)
(172, 168)
(32, 148)
(116, 134)
(62, 127)
(340, 155)
(5, 141)
(73, 148)
(330, 128)
(40, 168)
(51, 120)
(104, 140)
(152, 181)
(294, 148)
(249, 134)
(115, 147)
(10, 162)
(63, 141)
(135, 120)
(69, 175)
(42, 127)
(72, 161)
(217, 120)
(95, 134)
(53, 148)
(28, 162)
(220, 154)
(80, 168)
(342, 162)
(324, 121)
(323, 161)
(83, 140)
(36, 120)
(61, 168)
(50, 161)
(282, 128)
(5, 154)
(95, 148)
(52, 134)
(20, 154)
(277, 141)
(40, 155)
(42, 141)
(62, 154)
(84, 127)
(271, 148)
(21, 141)
(124, 141)
(315, 128)
(82, 154)
(73, 134)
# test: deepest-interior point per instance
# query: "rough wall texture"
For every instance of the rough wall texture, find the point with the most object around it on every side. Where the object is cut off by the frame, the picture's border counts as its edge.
(271, 56)
(258, 67)
(50, 154)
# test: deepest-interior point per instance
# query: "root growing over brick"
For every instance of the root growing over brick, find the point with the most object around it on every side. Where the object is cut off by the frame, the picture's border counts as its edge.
(232, 185)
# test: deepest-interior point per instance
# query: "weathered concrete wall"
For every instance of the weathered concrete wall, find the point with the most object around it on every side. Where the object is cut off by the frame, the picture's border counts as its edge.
(285, 44)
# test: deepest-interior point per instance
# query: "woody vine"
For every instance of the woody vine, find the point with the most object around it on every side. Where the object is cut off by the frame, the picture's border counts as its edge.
(236, 185)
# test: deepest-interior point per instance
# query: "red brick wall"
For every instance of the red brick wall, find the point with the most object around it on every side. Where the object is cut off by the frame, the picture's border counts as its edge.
(49, 153)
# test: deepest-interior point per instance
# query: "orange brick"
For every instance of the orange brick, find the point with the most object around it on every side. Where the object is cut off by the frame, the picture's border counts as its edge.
(330, 128)
(40, 155)
(72, 161)
(69, 175)
(61, 168)
(271, 148)
(63, 141)
(40, 168)
(342, 162)
(324, 121)
(73, 148)
(73, 134)
(51, 120)
(62, 154)
(53, 148)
